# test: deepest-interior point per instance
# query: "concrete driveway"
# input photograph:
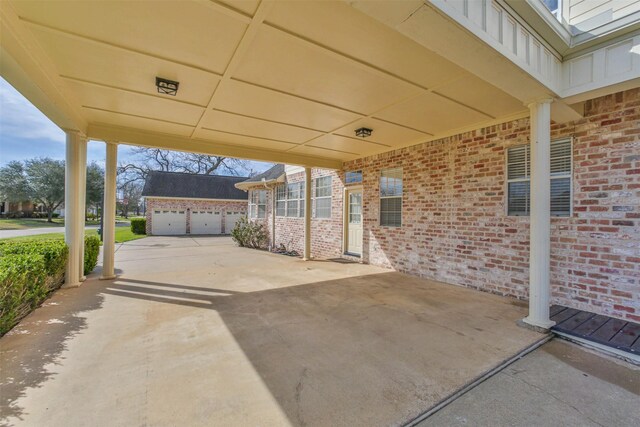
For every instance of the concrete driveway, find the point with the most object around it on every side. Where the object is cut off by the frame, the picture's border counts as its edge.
(197, 331)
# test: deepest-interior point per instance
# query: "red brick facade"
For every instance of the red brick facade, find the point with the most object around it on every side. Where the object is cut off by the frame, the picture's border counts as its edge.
(194, 204)
(326, 232)
(455, 227)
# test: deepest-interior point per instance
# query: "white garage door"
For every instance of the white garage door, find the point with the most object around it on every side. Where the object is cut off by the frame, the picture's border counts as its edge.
(169, 222)
(206, 222)
(230, 220)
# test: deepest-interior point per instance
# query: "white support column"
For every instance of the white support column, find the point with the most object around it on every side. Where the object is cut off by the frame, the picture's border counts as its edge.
(76, 162)
(274, 195)
(109, 213)
(82, 193)
(540, 230)
(307, 214)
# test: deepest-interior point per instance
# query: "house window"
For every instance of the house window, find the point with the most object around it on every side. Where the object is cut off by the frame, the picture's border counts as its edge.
(281, 200)
(391, 197)
(519, 177)
(258, 204)
(290, 200)
(322, 197)
(353, 177)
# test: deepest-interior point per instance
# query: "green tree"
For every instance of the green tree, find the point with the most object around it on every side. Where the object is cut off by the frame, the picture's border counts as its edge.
(14, 186)
(45, 178)
(95, 186)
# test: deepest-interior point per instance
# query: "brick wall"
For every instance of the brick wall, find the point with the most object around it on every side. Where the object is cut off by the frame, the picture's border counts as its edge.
(194, 204)
(455, 228)
(326, 232)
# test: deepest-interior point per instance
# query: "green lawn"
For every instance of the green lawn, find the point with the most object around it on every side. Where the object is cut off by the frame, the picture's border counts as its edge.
(123, 234)
(24, 223)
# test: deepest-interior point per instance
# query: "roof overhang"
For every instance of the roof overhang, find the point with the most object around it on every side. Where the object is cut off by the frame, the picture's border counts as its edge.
(261, 80)
(247, 185)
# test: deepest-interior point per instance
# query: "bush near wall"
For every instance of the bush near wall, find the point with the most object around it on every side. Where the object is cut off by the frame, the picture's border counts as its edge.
(91, 251)
(29, 272)
(138, 225)
(249, 234)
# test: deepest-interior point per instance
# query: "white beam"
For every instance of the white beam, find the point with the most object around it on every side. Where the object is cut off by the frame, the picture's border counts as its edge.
(76, 162)
(540, 229)
(109, 213)
(307, 214)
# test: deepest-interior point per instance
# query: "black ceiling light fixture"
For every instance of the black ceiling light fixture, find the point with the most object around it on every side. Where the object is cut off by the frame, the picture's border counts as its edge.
(168, 87)
(363, 132)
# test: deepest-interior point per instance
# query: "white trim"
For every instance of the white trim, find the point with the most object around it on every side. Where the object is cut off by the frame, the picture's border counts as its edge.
(345, 217)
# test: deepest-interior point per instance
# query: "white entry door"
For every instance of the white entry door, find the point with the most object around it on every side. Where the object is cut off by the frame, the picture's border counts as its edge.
(168, 222)
(206, 222)
(230, 220)
(354, 222)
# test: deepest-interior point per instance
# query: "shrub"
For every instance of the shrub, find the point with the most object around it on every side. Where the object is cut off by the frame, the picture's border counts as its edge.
(54, 253)
(55, 215)
(249, 234)
(91, 250)
(23, 286)
(138, 225)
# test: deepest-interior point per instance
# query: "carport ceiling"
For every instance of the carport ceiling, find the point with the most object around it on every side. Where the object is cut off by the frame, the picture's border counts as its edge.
(294, 79)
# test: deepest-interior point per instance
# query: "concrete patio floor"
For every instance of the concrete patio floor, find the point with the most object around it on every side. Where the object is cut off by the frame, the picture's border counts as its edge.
(197, 331)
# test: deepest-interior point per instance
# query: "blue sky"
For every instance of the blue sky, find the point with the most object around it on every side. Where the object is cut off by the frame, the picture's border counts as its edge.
(26, 133)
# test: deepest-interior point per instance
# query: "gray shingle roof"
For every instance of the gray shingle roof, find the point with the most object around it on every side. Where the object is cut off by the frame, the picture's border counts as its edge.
(184, 185)
(270, 174)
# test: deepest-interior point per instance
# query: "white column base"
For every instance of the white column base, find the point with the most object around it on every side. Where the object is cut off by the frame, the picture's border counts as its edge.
(70, 285)
(545, 325)
(111, 277)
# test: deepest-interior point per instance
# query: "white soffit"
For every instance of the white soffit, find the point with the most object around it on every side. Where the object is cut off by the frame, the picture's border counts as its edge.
(289, 81)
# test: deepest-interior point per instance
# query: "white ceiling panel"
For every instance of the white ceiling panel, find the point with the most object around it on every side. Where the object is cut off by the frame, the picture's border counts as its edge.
(321, 152)
(359, 36)
(349, 145)
(241, 140)
(135, 104)
(188, 32)
(384, 132)
(279, 61)
(431, 113)
(475, 92)
(133, 122)
(134, 72)
(266, 104)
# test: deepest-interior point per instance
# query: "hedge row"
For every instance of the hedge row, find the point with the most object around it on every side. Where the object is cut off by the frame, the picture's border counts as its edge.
(30, 270)
(138, 225)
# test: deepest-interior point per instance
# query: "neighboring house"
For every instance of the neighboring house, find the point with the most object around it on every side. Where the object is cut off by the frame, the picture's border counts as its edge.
(180, 203)
(457, 209)
(25, 208)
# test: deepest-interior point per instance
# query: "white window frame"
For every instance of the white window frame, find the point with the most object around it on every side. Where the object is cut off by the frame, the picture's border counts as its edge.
(299, 200)
(316, 197)
(382, 172)
(528, 179)
(255, 203)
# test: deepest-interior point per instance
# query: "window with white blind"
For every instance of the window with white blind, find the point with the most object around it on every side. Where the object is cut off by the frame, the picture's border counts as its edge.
(391, 197)
(290, 200)
(258, 204)
(322, 197)
(281, 200)
(519, 175)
